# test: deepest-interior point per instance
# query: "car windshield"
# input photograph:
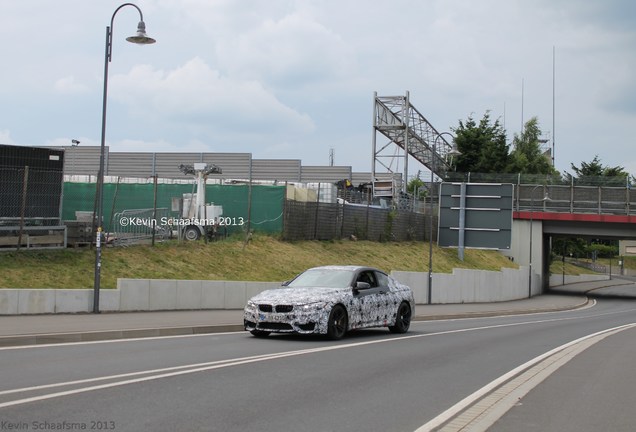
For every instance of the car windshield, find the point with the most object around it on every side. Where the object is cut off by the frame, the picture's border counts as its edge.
(323, 278)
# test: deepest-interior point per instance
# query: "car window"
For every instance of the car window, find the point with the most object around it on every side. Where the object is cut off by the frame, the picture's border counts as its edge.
(383, 280)
(368, 277)
(323, 278)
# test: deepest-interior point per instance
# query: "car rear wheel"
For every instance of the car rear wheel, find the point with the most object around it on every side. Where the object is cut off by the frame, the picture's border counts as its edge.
(260, 333)
(337, 326)
(403, 319)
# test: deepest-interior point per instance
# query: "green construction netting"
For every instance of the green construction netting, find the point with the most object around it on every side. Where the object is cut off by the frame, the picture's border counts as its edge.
(266, 204)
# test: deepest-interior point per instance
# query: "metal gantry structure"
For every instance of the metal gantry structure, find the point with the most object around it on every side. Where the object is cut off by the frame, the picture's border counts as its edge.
(409, 134)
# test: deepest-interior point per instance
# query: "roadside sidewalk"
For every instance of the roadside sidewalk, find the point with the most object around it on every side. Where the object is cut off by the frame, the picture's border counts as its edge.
(62, 328)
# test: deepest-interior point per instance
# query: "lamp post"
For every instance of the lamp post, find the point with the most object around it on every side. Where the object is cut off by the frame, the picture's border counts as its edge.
(453, 152)
(545, 198)
(142, 39)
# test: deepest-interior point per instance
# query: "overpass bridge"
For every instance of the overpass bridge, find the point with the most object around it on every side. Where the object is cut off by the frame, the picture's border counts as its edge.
(547, 207)
(579, 210)
(544, 211)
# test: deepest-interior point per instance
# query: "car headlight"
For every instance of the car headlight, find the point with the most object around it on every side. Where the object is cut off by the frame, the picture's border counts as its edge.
(250, 305)
(313, 306)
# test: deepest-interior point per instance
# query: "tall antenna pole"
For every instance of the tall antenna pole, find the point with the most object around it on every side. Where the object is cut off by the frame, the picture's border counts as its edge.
(521, 106)
(504, 122)
(331, 156)
(553, 102)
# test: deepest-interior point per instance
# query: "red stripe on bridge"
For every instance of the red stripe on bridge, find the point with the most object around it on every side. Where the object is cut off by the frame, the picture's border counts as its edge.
(574, 217)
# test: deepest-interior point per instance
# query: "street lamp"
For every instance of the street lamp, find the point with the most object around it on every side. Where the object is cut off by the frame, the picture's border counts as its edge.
(142, 39)
(453, 152)
(545, 198)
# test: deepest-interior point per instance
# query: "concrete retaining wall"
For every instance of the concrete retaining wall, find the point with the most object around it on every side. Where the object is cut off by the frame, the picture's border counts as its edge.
(470, 286)
(462, 286)
(134, 295)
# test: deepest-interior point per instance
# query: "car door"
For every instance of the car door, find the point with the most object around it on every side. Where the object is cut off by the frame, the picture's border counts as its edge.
(367, 301)
(387, 306)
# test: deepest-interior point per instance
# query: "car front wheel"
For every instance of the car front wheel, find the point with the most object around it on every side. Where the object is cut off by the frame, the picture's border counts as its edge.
(403, 319)
(337, 326)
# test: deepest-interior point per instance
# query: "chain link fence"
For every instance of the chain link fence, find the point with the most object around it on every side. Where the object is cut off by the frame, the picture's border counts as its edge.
(39, 209)
(30, 202)
(135, 212)
(327, 221)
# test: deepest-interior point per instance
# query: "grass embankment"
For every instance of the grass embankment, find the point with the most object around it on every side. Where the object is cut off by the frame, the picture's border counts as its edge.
(263, 259)
(557, 265)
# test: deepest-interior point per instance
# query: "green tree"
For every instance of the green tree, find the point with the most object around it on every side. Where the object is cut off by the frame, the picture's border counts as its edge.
(416, 186)
(526, 156)
(596, 169)
(482, 145)
(595, 173)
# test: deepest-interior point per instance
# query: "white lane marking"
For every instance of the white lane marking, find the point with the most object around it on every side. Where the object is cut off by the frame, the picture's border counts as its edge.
(200, 367)
(127, 375)
(19, 347)
(471, 399)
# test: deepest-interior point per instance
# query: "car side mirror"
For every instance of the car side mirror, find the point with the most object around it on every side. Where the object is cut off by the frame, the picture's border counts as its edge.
(363, 285)
(285, 283)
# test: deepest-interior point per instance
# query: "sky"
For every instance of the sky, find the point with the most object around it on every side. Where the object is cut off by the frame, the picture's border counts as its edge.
(293, 79)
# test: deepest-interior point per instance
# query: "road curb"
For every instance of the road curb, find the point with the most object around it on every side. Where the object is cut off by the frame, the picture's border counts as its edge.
(482, 314)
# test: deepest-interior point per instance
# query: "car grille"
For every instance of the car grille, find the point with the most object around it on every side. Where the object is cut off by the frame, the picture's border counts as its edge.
(307, 327)
(274, 326)
(279, 308)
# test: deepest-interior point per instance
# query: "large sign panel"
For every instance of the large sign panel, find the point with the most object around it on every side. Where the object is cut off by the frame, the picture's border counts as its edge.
(475, 215)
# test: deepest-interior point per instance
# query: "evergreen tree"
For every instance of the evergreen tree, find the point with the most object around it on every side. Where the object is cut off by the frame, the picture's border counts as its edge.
(596, 169)
(482, 145)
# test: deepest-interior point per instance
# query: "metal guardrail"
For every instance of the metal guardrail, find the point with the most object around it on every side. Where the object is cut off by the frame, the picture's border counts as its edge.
(576, 199)
(594, 195)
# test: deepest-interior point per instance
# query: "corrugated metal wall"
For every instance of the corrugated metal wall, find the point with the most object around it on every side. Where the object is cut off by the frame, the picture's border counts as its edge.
(129, 164)
(327, 174)
(360, 177)
(85, 161)
(234, 165)
(81, 160)
(276, 169)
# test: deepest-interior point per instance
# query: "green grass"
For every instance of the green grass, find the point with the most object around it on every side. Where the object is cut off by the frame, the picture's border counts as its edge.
(570, 269)
(557, 268)
(263, 259)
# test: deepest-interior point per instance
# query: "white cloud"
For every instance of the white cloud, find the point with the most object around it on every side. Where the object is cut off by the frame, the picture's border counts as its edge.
(5, 137)
(67, 85)
(253, 76)
(291, 52)
(195, 94)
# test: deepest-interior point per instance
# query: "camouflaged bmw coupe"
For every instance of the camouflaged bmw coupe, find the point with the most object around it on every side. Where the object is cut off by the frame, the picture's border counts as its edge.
(331, 300)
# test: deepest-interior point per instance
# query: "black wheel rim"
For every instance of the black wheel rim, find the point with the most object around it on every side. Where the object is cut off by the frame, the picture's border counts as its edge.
(404, 316)
(338, 322)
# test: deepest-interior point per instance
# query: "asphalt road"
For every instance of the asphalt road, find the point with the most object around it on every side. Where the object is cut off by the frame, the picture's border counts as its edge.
(372, 380)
